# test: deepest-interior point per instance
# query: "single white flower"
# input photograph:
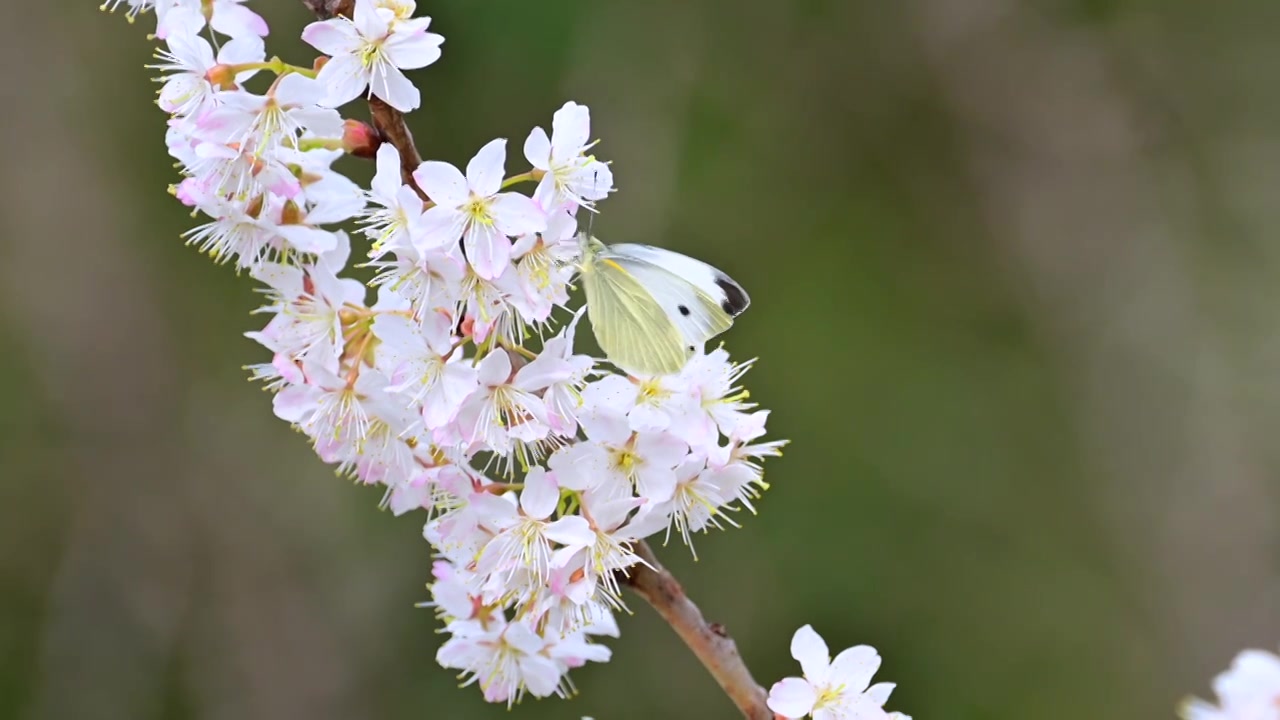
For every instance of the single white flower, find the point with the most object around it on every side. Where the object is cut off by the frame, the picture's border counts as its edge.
(414, 354)
(1248, 690)
(505, 411)
(262, 124)
(617, 462)
(830, 689)
(306, 303)
(526, 534)
(397, 213)
(470, 207)
(369, 52)
(330, 196)
(506, 660)
(570, 174)
(186, 62)
(563, 374)
(545, 263)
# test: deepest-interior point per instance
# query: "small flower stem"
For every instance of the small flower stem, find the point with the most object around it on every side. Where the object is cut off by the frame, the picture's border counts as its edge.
(531, 176)
(317, 143)
(709, 642)
(275, 65)
(388, 121)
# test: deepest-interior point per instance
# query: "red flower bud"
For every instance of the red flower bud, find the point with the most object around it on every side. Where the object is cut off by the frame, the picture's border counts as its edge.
(360, 139)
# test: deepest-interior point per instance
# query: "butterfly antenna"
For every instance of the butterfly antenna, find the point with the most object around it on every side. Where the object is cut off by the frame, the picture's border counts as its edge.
(591, 223)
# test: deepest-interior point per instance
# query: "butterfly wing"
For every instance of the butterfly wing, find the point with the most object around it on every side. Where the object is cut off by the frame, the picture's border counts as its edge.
(632, 328)
(700, 300)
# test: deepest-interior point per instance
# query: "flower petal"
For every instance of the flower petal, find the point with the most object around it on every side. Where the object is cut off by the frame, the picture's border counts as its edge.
(242, 50)
(495, 369)
(879, 693)
(238, 21)
(488, 250)
(439, 227)
(808, 648)
(371, 21)
(391, 85)
(332, 37)
(514, 214)
(570, 131)
(486, 169)
(855, 667)
(442, 182)
(298, 90)
(308, 239)
(792, 698)
(386, 181)
(410, 51)
(537, 149)
(540, 493)
(344, 79)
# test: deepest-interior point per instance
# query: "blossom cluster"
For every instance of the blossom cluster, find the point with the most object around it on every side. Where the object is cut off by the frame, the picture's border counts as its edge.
(456, 387)
(838, 689)
(1248, 690)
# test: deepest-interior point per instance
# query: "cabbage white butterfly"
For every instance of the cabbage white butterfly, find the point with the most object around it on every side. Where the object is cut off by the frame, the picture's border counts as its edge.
(651, 308)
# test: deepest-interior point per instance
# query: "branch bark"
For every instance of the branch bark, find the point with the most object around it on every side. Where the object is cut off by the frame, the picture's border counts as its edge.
(709, 642)
(388, 121)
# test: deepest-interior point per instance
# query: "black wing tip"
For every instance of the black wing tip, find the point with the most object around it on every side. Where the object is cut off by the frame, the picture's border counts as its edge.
(735, 298)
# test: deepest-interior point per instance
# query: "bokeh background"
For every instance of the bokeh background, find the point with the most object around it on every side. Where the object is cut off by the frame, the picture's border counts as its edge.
(1015, 277)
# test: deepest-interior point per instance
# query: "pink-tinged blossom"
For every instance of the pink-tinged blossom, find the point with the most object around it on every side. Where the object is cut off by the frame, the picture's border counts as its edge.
(719, 403)
(506, 660)
(222, 171)
(330, 196)
(505, 412)
(415, 356)
(421, 489)
(233, 234)
(260, 125)
(544, 265)
(836, 689)
(617, 462)
(570, 174)
(228, 17)
(396, 215)
(306, 303)
(1248, 690)
(369, 52)
(564, 374)
(652, 404)
(187, 90)
(526, 535)
(472, 208)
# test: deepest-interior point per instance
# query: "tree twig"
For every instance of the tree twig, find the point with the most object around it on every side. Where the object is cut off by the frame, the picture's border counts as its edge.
(388, 121)
(709, 642)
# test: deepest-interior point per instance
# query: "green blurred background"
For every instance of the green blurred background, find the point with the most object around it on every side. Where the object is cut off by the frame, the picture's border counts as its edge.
(1014, 273)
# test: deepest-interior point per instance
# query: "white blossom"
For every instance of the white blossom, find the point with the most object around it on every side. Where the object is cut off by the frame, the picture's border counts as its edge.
(370, 51)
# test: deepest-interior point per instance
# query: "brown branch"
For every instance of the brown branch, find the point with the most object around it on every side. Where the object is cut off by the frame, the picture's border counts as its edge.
(709, 642)
(388, 121)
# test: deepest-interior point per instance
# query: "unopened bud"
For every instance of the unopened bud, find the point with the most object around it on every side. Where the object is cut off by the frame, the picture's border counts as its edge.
(359, 138)
(320, 62)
